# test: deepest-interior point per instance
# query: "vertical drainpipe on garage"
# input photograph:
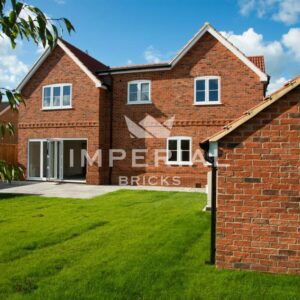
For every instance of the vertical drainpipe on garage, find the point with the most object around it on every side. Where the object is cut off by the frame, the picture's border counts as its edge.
(210, 155)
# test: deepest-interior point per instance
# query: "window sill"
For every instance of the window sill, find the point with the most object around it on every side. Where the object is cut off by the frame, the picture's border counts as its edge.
(208, 103)
(138, 103)
(179, 164)
(56, 108)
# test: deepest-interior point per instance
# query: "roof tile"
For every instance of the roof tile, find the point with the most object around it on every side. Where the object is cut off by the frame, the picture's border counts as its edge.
(259, 61)
(89, 62)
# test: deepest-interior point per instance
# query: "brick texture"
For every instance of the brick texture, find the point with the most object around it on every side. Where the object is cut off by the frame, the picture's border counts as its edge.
(258, 218)
(84, 120)
(173, 95)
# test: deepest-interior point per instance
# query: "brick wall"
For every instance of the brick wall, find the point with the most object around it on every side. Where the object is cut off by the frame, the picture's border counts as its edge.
(173, 95)
(84, 120)
(258, 218)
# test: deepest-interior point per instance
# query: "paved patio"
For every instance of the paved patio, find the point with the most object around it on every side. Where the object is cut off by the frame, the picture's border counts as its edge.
(76, 190)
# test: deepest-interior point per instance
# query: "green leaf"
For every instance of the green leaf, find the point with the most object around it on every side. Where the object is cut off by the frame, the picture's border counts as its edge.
(19, 7)
(13, 4)
(12, 17)
(10, 128)
(54, 28)
(10, 172)
(11, 99)
(68, 25)
(49, 38)
(41, 29)
(19, 98)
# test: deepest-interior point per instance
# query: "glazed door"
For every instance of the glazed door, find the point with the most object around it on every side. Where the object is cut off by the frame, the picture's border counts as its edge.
(54, 160)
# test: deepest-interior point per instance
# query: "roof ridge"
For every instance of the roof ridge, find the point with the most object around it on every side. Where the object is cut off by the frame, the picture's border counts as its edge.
(136, 65)
(256, 68)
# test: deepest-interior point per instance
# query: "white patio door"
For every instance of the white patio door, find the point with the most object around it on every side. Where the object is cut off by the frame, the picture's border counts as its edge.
(54, 159)
(45, 159)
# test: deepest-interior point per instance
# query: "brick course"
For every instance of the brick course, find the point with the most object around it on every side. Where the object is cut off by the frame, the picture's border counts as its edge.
(258, 217)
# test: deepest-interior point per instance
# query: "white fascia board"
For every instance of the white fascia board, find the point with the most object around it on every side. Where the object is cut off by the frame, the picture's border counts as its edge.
(207, 28)
(4, 110)
(239, 54)
(189, 45)
(81, 65)
(43, 57)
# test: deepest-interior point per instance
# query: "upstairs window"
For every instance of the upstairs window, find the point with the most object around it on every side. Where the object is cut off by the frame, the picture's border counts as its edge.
(139, 92)
(57, 96)
(179, 150)
(207, 90)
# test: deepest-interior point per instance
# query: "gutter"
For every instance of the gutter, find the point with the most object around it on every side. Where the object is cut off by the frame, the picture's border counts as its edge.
(210, 155)
(162, 67)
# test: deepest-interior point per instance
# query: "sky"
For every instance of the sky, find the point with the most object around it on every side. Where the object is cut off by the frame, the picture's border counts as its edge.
(121, 32)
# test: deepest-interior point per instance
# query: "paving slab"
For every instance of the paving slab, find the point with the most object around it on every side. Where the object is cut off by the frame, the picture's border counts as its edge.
(76, 190)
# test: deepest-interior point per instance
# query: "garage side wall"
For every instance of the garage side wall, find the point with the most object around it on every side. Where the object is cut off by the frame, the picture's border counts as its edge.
(258, 218)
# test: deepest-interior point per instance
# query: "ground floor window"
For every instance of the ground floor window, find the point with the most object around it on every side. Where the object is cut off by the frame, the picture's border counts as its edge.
(179, 150)
(56, 159)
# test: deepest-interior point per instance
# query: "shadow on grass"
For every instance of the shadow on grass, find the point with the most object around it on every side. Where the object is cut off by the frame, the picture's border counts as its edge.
(38, 245)
(7, 196)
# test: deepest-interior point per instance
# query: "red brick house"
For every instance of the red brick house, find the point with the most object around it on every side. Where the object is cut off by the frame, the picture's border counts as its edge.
(258, 192)
(75, 102)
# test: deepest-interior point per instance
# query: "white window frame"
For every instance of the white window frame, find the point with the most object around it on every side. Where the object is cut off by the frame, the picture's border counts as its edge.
(139, 83)
(179, 161)
(61, 106)
(206, 101)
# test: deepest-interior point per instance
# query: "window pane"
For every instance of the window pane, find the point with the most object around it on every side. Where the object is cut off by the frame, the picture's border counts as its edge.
(185, 145)
(200, 85)
(66, 95)
(133, 88)
(185, 155)
(45, 159)
(133, 97)
(34, 159)
(172, 145)
(172, 155)
(213, 84)
(200, 96)
(145, 94)
(56, 96)
(145, 87)
(133, 92)
(213, 96)
(46, 100)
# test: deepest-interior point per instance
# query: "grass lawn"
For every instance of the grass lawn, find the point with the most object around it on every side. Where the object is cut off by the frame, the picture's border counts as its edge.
(124, 245)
